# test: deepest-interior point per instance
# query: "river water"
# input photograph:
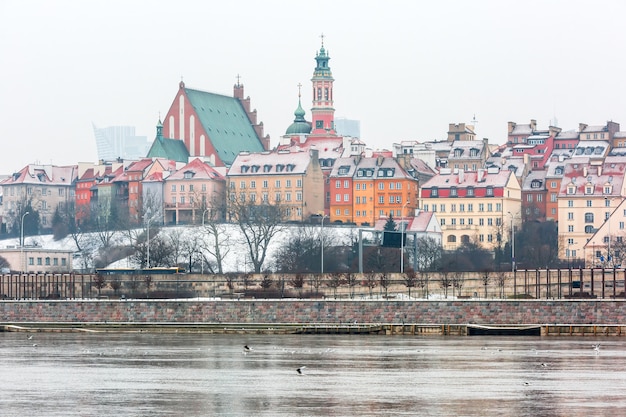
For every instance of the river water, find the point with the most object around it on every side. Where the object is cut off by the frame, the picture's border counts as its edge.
(148, 374)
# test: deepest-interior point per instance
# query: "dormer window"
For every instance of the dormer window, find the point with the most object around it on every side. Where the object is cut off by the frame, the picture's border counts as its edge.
(558, 171)
(267, 168)
(571, 189)
(458, 152)
(470, 191)
(535, 184)
(188, 175)
(255, 168)
(474, 152)
(490, 191)
(280, 167)
(588, 189)
(434, 192)
(454, 192)
(608, 189)
(290, 167)
(244, 169)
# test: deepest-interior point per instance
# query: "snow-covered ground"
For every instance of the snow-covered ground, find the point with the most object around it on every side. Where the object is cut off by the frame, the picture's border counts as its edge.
(236, 259)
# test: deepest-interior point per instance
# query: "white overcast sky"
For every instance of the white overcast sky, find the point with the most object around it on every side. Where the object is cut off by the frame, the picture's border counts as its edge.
(405, 69)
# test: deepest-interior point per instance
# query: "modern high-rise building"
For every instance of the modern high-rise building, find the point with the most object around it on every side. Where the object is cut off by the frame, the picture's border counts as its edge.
(114, 142)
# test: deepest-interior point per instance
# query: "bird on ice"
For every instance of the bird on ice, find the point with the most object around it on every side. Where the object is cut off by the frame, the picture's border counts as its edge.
(30, 337)
(596, 348)
(246, 349)
(300, 369)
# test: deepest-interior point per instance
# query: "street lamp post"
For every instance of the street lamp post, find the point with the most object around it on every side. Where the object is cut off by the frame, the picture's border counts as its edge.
(147, 219)
(402, 239)
(608, 220)
(322, 243)
(23, 264)
(202, 257)
(512, 244)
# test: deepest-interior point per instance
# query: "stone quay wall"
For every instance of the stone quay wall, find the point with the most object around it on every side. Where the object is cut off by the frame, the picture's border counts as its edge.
(485, 312)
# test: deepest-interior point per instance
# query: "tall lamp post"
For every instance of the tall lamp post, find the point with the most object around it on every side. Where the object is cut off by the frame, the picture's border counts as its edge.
(202, 259)
(23, 264)
(322, 243)
(147, 220)
(512, 244)
(608, 220)
(402, 239)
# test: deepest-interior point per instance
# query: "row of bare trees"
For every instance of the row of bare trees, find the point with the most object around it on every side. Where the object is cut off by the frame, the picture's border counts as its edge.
(106, 232)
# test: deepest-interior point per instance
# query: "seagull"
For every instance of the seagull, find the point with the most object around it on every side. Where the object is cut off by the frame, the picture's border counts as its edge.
(526, 383)
(30, 337)
(596, 348)
(544, 365)
(247, 349)
(300, 369)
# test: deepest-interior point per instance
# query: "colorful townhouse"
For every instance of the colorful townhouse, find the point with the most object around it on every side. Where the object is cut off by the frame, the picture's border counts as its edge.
(291, 180)
(364, 189)
(194, 193)
(474, 206)
(590, 192)
(45, 188)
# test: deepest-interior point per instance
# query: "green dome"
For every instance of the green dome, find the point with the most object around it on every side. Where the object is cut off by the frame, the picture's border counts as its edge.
(299, 125)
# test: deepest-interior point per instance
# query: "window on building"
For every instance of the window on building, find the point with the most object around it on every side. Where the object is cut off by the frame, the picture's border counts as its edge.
(588, 217)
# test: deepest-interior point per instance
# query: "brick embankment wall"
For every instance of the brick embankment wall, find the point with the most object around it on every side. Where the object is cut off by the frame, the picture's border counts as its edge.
(323, 312)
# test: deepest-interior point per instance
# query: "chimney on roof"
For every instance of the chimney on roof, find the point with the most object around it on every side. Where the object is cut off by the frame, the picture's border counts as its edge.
(554, 131)
(581, 127)
(480, 175)
(461, 176)
(585, 171)
(533, 125)
(379, 160)
(511, 127)
(599, 170)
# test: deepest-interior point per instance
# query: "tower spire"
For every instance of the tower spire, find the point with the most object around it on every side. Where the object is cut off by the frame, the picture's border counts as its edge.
(322, 112)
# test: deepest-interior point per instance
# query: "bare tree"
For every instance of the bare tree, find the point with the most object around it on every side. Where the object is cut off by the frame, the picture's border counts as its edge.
(316, 282)
(501, 278)
(335, 280)
(422, 282)
(486, 278)
(350, 279)
(445, 281)
(259, 224)
(216, 244)
(297, 283)
(231, 279)
(370, 281)
(266, 282)
(147, 281)
(99, 281)
(458, 280)
(102, 222)
(429, 253)
(410, 280)
(384, 281)
(115, 285)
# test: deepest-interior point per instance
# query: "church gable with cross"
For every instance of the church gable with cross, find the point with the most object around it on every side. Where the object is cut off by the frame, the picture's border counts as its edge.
(214, 127)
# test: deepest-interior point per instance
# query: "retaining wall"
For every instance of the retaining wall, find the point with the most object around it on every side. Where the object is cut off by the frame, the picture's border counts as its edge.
(330, 312)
